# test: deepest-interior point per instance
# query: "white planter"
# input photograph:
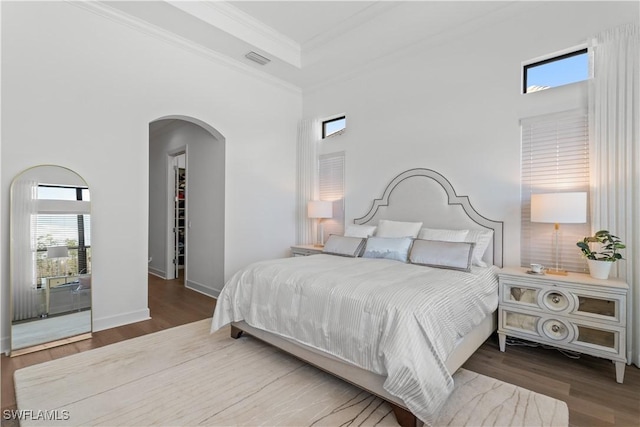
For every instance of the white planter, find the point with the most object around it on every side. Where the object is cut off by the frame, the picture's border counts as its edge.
(599, 269)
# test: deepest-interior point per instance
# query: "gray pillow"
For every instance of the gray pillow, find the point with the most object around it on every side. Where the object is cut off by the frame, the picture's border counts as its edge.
(396, 248)
(439, 254)
(344, 245)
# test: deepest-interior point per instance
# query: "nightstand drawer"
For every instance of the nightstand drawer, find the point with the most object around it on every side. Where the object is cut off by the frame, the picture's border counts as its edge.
(598, 338)
(582, 336)
(53, 282)
(522, 323)
(518, 294)
(536, 296)
(565, 299)
(305, 250)
(599, 307)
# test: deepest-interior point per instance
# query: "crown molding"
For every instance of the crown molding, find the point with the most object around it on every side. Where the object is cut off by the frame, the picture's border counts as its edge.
(115, 15)
(239, 24)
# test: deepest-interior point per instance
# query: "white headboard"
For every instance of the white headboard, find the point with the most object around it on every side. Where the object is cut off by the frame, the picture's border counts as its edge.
(425, 195)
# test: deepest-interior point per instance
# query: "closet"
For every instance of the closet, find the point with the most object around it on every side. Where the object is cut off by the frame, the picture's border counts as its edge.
(180, 215)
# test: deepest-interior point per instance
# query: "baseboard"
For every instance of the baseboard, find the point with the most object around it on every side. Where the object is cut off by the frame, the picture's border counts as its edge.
(109, 322)
(99, 324)
(157, 272)
(195, 286)
(4, 345)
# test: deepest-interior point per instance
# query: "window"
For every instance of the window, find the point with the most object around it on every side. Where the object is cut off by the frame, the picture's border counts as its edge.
(56, 192)
(63, 230)
(331, 185)
(557, 71)
(333, 126)
(62, 223)
(555, 159)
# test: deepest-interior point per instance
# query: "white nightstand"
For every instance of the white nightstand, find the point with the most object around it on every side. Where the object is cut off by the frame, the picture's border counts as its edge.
(305, 250)
(574, 312)
(49, 284)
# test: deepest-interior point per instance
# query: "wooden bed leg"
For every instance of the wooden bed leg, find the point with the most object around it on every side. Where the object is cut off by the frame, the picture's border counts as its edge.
(235, 332)
(404, 417)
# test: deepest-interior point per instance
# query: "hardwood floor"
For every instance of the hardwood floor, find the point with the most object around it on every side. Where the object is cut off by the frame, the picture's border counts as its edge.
(586, 384)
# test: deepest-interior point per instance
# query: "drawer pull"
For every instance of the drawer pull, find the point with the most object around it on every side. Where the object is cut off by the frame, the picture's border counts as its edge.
(556, 301)
(556, 330)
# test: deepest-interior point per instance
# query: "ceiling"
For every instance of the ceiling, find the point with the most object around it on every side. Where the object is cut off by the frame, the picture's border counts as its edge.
(302, 21)
(312, 42)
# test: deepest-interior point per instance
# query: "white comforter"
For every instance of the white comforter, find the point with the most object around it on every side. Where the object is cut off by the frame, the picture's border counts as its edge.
(395, 319)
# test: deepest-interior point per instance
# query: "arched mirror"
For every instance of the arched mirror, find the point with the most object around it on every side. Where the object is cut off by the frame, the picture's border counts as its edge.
(50, 264)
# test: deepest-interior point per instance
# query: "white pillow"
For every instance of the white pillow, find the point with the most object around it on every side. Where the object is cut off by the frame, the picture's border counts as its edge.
(439, 254)
(388, 228)
(481, 238)
(396, 248)
(344, 246)
(443, 235)
(360, 230)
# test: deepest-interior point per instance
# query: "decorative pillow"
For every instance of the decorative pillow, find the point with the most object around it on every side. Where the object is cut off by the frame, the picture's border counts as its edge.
(396, 248)
(481, 238)
(388, 228)
(360, 230)
(344, 245)
(436, 253)
(443, 235)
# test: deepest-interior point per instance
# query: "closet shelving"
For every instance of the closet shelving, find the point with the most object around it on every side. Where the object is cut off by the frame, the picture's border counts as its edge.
(180, 216)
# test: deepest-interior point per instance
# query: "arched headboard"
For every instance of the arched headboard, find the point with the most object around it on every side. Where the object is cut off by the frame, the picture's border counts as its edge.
(417, 195)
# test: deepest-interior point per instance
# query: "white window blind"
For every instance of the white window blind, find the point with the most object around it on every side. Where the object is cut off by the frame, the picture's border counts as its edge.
(555, 159)
(63, 230)
(331, 187)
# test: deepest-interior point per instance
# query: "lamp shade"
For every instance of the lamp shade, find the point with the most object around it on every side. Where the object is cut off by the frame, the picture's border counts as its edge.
(57, 252)
(319, 209)
(557, 208)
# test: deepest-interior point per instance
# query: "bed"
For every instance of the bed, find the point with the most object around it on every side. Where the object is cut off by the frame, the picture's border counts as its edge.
(397, 330)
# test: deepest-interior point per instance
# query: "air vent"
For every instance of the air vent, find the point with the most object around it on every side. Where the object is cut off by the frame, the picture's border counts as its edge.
(257, 58)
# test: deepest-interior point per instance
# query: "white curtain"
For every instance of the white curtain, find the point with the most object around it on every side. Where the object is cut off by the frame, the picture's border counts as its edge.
(307, 178)
(28, 302)
(614, 115)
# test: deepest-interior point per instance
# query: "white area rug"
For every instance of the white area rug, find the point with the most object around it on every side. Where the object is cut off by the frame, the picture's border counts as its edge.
(184, 376)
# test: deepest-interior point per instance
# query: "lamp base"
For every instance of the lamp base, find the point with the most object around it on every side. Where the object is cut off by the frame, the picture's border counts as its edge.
(556, 272)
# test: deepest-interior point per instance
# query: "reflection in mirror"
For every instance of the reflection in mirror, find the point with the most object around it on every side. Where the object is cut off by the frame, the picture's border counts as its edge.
(50, 259)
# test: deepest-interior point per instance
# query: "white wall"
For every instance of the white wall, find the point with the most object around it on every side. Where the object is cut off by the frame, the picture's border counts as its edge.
(79, 90)
(205, 203)
(453, 104)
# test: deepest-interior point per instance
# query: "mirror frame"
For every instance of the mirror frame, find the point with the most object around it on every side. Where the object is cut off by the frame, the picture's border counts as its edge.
(55, 342)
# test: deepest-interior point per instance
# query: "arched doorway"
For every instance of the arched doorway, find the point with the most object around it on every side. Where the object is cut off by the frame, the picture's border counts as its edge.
(197, 150)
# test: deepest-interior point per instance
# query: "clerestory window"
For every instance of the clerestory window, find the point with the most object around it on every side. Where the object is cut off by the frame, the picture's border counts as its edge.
(556, 71)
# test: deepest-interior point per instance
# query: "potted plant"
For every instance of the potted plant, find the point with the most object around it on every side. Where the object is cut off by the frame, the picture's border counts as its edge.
(600, 262)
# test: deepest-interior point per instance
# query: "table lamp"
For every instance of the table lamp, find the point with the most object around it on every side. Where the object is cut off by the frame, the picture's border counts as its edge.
(320, 209)
(557, 208)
